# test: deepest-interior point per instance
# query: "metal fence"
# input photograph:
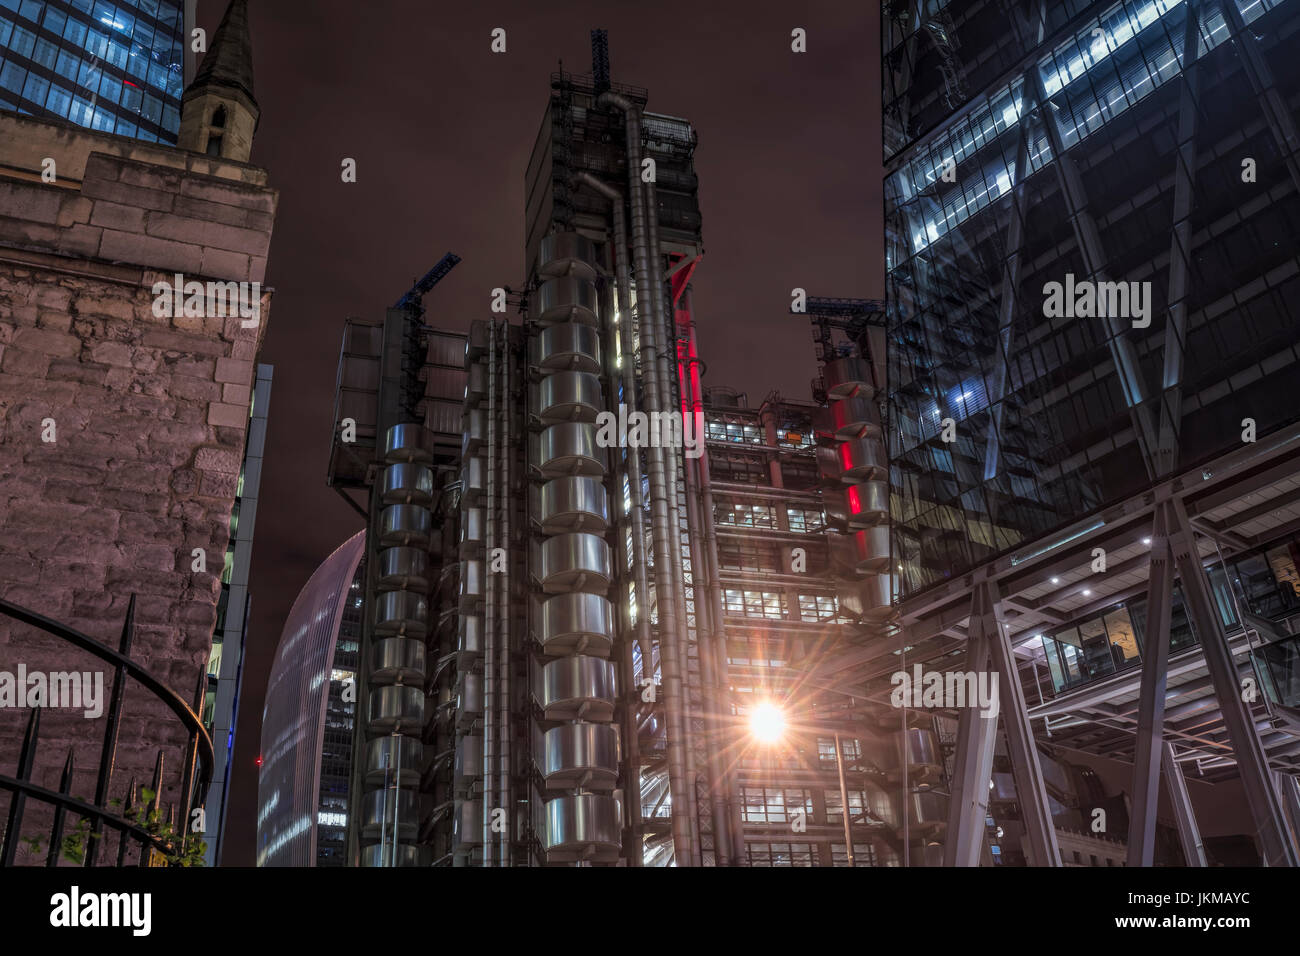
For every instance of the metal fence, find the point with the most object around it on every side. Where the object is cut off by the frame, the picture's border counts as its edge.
(147, 834)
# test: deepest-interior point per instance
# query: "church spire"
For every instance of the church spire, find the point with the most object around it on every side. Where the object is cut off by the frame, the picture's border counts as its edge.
(219, 113)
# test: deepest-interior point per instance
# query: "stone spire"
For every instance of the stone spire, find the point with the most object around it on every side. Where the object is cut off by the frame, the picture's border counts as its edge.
(219, 113)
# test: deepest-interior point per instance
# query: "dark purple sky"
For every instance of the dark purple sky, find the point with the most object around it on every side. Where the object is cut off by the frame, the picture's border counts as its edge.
(441, 130)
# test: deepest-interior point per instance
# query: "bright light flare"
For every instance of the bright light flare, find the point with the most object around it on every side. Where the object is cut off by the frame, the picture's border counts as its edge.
(767, 722)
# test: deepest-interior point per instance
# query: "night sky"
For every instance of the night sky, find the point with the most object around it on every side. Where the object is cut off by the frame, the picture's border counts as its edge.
(441, 129)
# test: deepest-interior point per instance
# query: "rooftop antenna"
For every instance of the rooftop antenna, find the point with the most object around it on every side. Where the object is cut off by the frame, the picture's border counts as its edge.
(600, 60)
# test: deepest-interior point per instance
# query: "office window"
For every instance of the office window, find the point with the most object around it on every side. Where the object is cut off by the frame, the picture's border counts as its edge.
(780, 854)
(817, 607)
(805, 520)
(764, 604)
(775, 804)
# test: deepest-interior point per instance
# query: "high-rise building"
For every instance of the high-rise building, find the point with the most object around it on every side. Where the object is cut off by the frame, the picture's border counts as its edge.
(1092, 344)
(308, 723)
(226, 661)
(116, 66)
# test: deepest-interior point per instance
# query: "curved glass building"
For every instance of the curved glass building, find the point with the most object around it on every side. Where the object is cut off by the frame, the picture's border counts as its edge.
(307, 723)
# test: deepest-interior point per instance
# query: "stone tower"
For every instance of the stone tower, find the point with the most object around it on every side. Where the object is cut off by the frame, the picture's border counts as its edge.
(123, 422)
(218, 111)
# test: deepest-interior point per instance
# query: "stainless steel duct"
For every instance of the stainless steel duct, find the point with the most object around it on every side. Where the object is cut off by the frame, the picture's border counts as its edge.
(577, 623)
(568, 347)
(396, 663)
(580, 755)
(620, 328)
(569, 397)
(574, 503)
(665, 357)
(577, 687)
(583, 827)
(664, 539)
(566, 299)
(570, 449)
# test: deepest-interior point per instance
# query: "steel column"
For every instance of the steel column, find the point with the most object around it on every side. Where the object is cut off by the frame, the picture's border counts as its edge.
(1252, 762)
(1151, 709)
(976, 739)
(1180, 250)
(1025, 766)
(1188, 832)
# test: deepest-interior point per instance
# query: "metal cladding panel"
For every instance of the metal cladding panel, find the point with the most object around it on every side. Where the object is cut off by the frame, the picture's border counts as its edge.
(867, 503)
(570, 449)
(568, 346)
(577, 623)
(382, 754)
(584, 826)
(928, 811)
(569, 397)
(580, 755)
(403, 568)
(574, 503)
(855, 417)
(408, 442)
(924, 754)
(863, 458)
(848, 377)
(407, 484)
(293, 723)
(401, 613)
(576, 686)
(402, 525)
(567, 299)
(871, 547)
(565, 254)
(447, 348)
(575, 562)
(382, 855)
(397, 660)
(397, 709)
(373, 814)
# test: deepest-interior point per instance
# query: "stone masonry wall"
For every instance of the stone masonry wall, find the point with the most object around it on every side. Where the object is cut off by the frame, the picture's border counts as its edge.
(149, 416)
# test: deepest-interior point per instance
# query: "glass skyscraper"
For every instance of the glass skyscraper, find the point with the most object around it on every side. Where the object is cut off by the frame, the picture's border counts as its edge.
(1128, 145)
(110, 65)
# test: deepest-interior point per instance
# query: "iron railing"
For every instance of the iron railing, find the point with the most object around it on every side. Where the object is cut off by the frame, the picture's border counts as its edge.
(140, 840)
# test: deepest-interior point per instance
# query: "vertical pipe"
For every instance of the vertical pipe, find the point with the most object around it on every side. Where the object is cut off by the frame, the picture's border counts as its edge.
(707, 610)
(618, 345)
(722, 685)
(489, 605)
(397, 793)
(907, 769)
(844, 799)
(667, 366)
(505, 726)
(633, 470)
(668, 621)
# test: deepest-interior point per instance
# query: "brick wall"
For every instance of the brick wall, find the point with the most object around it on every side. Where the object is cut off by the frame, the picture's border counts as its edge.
(150, 415)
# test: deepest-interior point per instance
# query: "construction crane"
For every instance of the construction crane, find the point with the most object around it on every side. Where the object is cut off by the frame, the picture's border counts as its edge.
(413, 301)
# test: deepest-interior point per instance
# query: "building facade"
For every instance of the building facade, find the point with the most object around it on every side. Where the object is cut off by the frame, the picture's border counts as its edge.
(307, 725)
(124, 420)
(1091, 333)
(116, 66)
(226, 661)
